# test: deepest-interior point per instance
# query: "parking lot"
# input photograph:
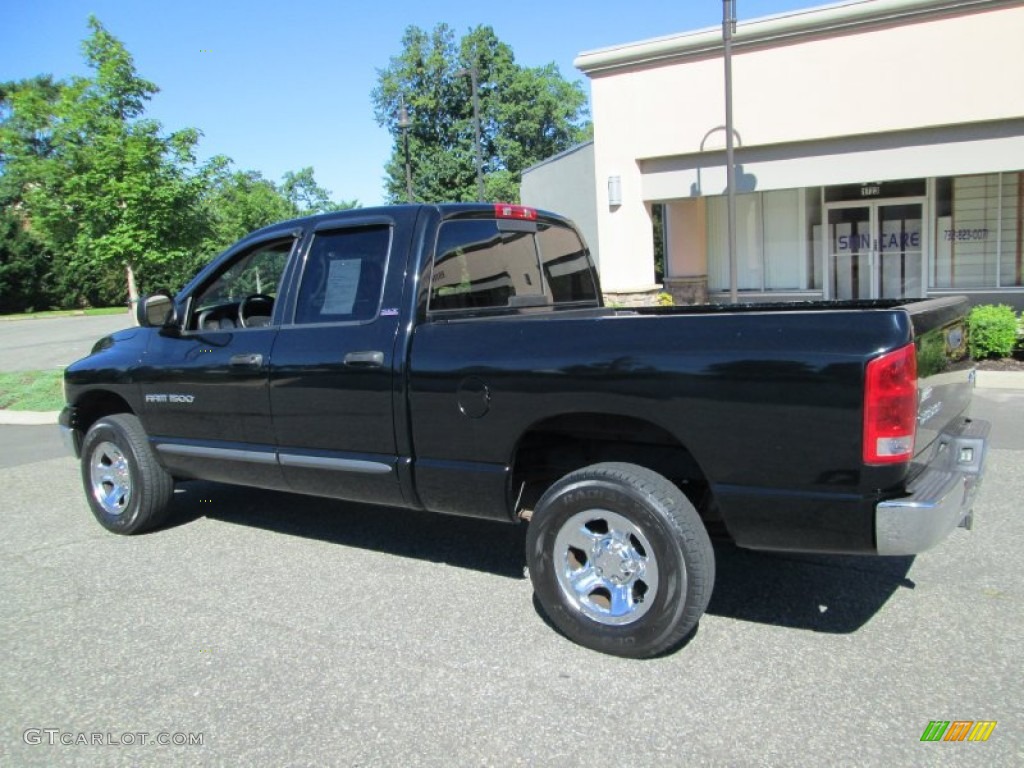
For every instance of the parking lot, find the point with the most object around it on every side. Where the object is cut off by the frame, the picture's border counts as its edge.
(285, 630)
(32, 345)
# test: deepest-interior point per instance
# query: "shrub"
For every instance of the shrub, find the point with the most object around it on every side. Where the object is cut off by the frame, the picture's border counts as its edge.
(992, 331)
(665, 299)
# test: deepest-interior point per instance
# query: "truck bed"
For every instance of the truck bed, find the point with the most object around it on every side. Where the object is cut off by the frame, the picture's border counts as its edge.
(767, 401)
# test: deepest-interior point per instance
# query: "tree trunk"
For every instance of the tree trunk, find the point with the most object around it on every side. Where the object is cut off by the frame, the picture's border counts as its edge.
(133, 289)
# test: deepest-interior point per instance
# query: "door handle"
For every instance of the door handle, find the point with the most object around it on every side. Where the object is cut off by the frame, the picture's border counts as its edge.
(248, 360)
(369, 359)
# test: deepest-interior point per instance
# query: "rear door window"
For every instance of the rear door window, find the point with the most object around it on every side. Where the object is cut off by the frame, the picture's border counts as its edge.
(343, 277)
(480, 265)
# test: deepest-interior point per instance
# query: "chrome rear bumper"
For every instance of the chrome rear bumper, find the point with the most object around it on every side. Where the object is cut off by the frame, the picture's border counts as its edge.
(940, 498)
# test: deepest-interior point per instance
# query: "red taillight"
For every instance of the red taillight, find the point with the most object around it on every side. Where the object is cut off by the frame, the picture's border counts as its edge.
(890, 407)
(507, 211)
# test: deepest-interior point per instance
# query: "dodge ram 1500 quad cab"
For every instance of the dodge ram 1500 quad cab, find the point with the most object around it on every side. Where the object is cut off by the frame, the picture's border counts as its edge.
(459, 359)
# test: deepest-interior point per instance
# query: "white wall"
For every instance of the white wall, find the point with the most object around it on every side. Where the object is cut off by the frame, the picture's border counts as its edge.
(862, 92)
(563, 185)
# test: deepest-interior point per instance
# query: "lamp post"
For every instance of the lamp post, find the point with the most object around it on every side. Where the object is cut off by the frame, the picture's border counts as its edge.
(474, 73)
(728, 28)
(404, 123)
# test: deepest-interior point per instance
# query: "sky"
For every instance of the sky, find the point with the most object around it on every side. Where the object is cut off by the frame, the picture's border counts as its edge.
(278, 86)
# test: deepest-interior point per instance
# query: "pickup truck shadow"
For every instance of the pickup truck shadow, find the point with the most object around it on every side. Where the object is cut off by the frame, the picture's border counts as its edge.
(823, 593)
(463, 542)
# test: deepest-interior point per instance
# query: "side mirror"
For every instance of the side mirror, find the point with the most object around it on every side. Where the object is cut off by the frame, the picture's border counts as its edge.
(155, 311)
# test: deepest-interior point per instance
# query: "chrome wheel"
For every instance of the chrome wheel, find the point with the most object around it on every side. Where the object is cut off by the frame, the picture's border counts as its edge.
(620, 560)
(111, 478)
(606, 567)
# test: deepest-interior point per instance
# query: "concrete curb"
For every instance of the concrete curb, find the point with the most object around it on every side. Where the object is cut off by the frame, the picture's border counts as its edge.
(1000, 380)
(28, 418)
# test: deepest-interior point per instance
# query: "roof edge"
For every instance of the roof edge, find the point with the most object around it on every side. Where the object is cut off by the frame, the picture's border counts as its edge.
(564, 153)
(841, 17)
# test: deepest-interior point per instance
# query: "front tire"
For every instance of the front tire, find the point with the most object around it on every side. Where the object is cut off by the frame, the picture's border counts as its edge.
(127, 489)
(620, 560)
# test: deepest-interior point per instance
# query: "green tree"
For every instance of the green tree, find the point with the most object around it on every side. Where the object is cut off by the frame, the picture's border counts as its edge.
(27, 119)
(526, 115)
(24, 266)
(98, 201)
(237, 202)
(307, 197)
(103, 187)
(26, 125)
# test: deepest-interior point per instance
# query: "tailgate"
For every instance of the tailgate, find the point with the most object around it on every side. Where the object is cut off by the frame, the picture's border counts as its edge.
(944, 369)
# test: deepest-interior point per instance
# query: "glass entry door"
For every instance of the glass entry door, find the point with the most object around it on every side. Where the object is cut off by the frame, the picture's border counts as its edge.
(875, 250)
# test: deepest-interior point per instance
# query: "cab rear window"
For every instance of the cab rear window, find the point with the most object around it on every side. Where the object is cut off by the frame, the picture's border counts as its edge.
(480, 264)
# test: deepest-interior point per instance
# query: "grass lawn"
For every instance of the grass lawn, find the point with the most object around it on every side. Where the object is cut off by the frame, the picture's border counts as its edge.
(67, 313)
(32, 390)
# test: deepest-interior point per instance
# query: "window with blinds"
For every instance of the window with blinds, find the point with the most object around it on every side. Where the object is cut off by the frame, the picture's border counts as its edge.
(772, 251)
(977, 232)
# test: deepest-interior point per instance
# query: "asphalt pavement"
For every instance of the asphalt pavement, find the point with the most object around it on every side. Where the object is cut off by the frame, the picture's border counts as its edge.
(53, 342)
(286, 630)
(29, 444)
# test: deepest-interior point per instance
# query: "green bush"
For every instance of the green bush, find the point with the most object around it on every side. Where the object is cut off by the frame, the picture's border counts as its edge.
(992, 331)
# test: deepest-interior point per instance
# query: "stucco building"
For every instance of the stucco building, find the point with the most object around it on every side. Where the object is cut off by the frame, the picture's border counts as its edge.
(879, 150)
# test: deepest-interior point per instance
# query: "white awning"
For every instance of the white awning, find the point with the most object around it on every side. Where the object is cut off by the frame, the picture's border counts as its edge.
(947, 151)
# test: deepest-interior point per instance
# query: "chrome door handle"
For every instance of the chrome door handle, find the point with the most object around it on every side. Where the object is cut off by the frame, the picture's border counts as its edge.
(369, 359)
(248, 360)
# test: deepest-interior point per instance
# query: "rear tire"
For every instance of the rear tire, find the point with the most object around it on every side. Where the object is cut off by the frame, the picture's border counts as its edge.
(620, 560)
(127, 489)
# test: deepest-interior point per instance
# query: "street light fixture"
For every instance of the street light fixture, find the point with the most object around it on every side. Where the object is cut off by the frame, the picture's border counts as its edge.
(474, 73)
(404, 123)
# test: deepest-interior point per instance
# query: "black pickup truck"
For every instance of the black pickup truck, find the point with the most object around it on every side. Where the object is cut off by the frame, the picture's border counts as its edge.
(459, 359)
